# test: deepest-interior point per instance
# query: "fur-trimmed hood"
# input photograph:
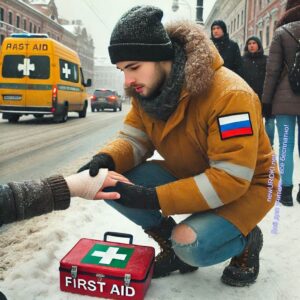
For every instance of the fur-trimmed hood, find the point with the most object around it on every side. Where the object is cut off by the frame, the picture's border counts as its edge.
(202, 56)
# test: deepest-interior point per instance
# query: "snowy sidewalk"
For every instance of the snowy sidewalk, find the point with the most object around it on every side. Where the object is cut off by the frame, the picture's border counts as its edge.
(30, 252)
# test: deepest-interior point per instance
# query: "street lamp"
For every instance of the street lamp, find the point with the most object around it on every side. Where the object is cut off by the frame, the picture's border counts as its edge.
(199, 9)
(175, 6)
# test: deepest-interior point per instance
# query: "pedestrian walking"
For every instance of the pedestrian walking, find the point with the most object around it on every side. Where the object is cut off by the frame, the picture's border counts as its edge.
(278, 97)
(228, 49)
(254, 71)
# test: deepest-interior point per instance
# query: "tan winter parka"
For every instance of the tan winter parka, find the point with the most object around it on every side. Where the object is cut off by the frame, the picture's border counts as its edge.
(234, 177)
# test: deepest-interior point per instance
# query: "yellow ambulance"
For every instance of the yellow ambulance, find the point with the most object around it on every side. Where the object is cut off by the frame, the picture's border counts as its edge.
(40, 76)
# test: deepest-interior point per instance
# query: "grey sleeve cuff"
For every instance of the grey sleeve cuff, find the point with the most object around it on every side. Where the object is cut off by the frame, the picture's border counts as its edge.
(60, 192)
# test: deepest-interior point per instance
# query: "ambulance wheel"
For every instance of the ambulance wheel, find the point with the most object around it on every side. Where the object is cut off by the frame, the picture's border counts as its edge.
(82, 114)
(63, 117)
(13, 118)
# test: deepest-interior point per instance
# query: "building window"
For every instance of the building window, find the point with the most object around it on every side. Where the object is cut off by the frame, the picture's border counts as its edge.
(30, 27)
(10, 18)
(39, 29)
(1, 14)
(260, 4)
(234, 24)
(34, 28)
(242, 18)
(2, 36)
(267, 36)
(231, 26)
(18, 20)
(24, 24)
(238, 21)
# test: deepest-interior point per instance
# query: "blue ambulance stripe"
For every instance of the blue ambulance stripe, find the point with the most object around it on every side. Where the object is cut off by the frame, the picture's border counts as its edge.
(235, 125)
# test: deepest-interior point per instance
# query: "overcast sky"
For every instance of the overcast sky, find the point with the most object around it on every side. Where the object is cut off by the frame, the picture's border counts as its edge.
(100, 16)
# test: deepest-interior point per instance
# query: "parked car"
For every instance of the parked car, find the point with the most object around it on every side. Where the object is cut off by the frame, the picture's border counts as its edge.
(104, 98)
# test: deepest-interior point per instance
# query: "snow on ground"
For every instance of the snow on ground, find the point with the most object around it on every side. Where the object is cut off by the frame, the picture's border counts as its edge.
(30, 252)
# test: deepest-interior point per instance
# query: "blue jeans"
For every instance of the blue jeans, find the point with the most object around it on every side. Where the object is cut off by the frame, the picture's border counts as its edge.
(217, 239)
(286, 131)
(270, 128)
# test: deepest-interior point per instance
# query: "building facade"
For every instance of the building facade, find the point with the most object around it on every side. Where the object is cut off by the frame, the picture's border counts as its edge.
(248, 17)
(233, 13)
(41, 16)
(108, 77)
(262, 18)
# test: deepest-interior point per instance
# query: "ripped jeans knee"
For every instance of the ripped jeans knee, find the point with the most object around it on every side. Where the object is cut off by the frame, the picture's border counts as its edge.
(206, 239)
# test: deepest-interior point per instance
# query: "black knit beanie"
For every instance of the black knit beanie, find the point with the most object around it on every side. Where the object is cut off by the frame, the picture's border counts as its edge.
(221, 24)
(140, 36)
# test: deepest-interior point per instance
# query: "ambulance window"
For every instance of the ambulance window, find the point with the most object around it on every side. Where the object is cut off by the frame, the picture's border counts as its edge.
(41, 67)
(11, 67)
(68, 71)
(19, 66)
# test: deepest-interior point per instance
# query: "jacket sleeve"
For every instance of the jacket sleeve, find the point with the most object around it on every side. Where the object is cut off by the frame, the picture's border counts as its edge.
(273, 69)
(232, 161)
(24, 200)
(132, 145)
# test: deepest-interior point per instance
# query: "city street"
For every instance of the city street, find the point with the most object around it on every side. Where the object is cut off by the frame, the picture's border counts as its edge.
(31, 249)
(36, 148)
(192, 68)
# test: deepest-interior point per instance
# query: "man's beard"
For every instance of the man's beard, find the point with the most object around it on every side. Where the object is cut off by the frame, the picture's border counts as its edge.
(155, 89)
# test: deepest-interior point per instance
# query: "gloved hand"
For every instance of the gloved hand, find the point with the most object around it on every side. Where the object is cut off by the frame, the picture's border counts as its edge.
(267, 110)
(136, 196)
(98, 161)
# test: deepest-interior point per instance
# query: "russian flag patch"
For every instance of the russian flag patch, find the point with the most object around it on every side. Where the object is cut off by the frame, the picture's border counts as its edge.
(235, 125)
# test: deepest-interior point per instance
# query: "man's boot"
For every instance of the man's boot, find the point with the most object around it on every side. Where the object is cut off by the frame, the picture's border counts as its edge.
(286, 196)
(167, 261)
(243, 269)
(298, 195)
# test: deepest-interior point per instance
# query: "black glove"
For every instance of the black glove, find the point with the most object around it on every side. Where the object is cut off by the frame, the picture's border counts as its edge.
(267, 110)
(136, 196)
(98, 161)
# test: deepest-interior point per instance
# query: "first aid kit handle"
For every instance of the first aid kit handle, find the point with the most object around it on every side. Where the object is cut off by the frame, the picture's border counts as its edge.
(118, 234)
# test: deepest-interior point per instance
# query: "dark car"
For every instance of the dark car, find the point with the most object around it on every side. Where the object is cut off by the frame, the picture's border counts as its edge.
(103, 99)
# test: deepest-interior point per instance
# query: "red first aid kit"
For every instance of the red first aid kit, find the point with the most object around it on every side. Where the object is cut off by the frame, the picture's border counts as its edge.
(107, 269)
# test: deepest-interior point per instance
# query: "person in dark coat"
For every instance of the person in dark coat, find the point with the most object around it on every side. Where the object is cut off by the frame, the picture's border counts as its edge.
(253, 71)
(279, 99)
(228, 49)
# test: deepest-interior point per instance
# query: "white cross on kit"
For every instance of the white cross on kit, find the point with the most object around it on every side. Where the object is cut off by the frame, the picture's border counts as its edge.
(109, 255)
(26, 67)
(66, 70)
